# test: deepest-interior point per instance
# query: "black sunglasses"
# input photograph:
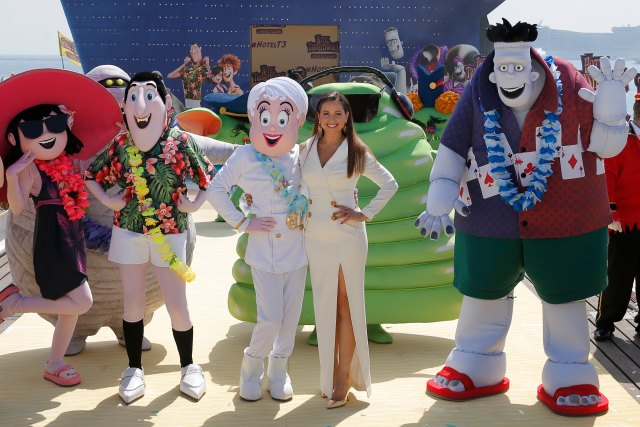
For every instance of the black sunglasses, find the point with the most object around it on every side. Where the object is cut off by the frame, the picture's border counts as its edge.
(34, 128)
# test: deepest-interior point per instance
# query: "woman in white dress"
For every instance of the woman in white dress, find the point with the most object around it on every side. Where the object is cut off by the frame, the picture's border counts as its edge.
(334, 158)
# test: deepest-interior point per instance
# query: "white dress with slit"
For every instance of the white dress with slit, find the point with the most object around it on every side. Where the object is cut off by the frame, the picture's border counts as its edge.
(330, 244)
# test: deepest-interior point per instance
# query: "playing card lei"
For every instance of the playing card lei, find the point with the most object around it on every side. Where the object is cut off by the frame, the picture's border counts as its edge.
(71, 187)
(298, 204)
(542, 171)
(144, 204)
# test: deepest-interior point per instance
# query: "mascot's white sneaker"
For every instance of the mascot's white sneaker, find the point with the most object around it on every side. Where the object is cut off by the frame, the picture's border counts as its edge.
(192, 382)
(279, 381)
(131, 385)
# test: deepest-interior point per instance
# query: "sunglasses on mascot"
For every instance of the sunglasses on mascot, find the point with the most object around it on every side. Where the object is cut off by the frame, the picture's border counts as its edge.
(33, 129)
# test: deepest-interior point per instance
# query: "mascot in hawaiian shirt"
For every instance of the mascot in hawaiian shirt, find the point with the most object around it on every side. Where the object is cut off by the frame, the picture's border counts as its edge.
(151, 162)
(526, 144)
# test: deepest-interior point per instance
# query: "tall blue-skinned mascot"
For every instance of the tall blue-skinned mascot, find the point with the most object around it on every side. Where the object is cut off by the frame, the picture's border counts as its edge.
(521, 162)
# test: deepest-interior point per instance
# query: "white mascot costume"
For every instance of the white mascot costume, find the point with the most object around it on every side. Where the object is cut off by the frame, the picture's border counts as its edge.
(527, 141)
(268, 170)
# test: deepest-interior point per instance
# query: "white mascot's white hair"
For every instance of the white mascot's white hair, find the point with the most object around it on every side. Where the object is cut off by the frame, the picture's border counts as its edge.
(279, 88)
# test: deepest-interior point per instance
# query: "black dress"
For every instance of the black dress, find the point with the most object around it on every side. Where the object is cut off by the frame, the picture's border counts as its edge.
(59, 253)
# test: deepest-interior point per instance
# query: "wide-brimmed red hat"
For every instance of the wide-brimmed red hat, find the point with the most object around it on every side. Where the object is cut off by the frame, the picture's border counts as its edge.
(96, 111)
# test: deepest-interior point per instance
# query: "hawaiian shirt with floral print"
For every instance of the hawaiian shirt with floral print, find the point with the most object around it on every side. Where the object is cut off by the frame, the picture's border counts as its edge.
(193, 77)
(166, 166)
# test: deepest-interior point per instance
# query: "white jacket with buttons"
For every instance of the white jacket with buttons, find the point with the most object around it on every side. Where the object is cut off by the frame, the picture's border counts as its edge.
(280, 250)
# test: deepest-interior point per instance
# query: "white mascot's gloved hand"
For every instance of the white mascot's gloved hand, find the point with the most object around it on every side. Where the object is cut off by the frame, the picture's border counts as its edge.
(441, 199)
(616, 225)
(260, 225)
(608, 135)
(443, 194)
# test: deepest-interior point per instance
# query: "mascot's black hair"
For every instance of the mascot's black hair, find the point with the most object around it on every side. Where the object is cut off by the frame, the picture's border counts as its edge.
(505, 32)
(146, 76)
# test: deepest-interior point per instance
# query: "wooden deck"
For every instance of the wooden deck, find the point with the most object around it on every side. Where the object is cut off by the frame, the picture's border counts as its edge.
(621, 354)
(399, 370)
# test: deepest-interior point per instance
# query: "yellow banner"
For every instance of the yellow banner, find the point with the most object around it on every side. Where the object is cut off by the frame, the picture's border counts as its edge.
(68, 49)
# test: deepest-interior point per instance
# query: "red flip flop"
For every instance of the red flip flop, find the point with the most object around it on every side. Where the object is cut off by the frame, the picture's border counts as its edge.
(470, 390)
(5, 293)
(58, 378)
(582, 390)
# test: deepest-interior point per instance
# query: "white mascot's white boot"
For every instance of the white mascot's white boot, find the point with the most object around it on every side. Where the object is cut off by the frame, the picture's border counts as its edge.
(251, 373)
(279, 381)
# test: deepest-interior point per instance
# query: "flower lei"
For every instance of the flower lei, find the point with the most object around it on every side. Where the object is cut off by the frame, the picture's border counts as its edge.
(542, 171)
(144, 204)
(298, 203)
(71, 187)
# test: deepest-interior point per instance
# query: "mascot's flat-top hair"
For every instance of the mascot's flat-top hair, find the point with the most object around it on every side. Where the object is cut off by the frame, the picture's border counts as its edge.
(507, 33)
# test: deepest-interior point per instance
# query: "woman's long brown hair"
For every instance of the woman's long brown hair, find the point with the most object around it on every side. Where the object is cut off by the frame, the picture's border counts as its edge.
(356, 148)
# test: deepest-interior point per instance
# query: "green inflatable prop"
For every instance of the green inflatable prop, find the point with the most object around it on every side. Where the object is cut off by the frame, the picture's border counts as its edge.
(408, 279)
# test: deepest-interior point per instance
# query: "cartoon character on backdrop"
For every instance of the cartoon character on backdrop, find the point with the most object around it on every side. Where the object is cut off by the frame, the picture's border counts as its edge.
(151, 162)
(430, 85)
(45, 126)
(216, 80)
(268, 171)
(430, 57)
(394, 44)
(554, 230)
(194, 72)
(455, 61)
(424, 62)
(230, 65)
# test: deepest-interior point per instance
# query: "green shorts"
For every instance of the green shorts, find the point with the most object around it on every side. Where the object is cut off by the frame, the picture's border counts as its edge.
(561, 269)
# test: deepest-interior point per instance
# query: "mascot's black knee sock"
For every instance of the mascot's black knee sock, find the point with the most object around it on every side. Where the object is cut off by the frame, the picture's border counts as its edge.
(184, 342)
(133, 332)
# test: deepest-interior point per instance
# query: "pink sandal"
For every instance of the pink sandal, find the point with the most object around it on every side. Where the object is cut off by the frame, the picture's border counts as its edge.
(59, 378)
(5, 293)
(470, 390)
(582, 390)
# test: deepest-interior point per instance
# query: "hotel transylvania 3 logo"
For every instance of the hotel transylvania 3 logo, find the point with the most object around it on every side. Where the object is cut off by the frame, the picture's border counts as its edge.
(323, 47)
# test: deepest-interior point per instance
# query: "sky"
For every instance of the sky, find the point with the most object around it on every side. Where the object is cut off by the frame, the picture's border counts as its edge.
(575, 15)
(29, 27)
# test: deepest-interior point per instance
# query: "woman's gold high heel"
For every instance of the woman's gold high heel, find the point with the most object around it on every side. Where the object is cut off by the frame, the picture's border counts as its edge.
(332, 404)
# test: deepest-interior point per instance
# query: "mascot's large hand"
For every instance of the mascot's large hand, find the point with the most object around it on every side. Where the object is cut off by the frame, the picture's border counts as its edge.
(443, 195)
(608, 135)
(441, 199)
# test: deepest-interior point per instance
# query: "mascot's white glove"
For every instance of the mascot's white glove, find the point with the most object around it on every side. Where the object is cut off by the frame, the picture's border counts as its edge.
(260, 225)
(615, 225)
(609, 133)
(443, 195)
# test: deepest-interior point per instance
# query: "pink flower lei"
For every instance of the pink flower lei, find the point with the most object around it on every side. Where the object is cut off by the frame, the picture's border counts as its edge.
(73, 192)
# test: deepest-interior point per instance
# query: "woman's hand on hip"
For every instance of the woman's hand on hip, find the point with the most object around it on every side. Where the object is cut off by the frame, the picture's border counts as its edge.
(344, 214)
